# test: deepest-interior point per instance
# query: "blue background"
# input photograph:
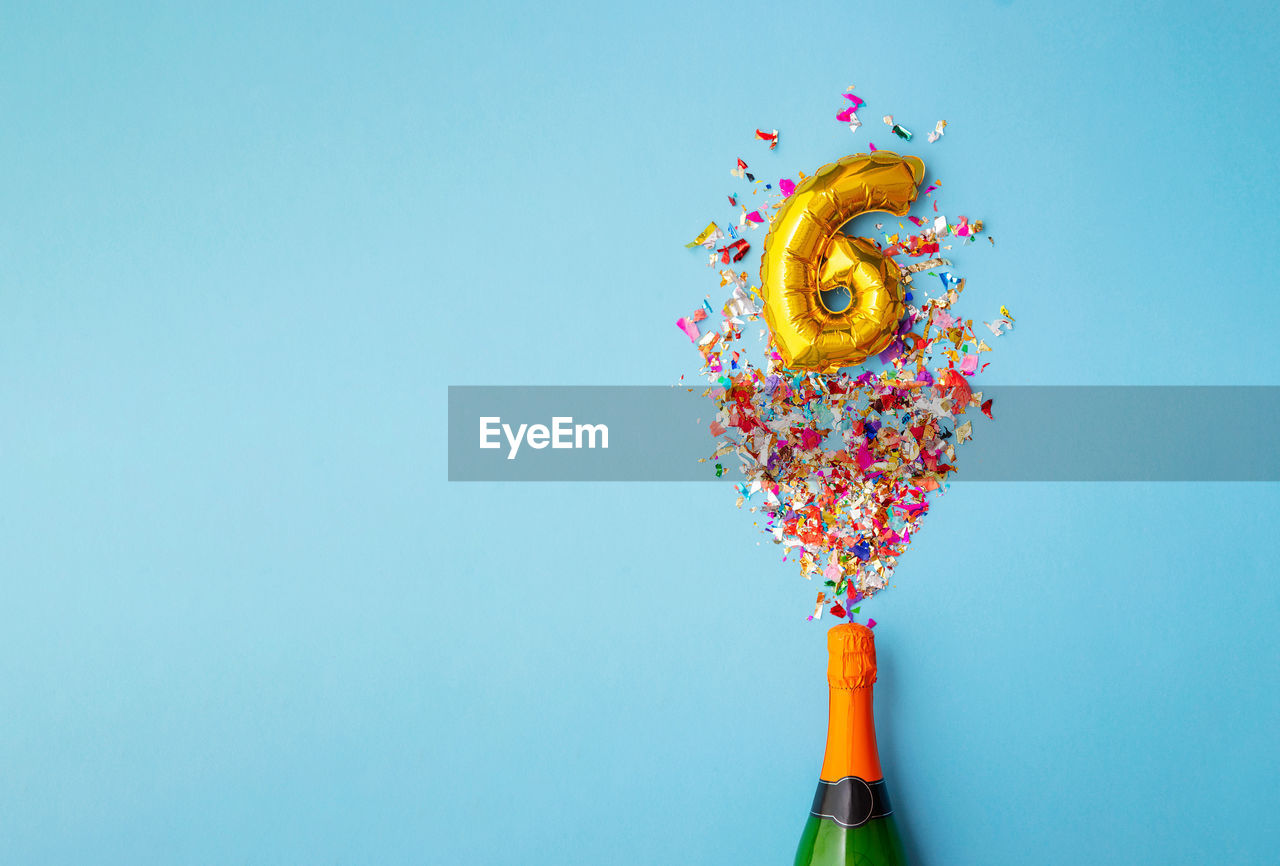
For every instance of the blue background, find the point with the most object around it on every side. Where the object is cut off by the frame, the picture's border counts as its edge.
(245, 619)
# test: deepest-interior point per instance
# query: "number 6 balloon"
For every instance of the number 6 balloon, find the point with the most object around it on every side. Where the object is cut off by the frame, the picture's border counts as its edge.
(805, 254)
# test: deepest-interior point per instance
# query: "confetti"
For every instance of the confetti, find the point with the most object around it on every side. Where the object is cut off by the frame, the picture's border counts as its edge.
(900, 131)
(844, 466)
(771, 137)
(849, 114)
(817, 607)
(703, 235)
(999, 326)
(734, 252)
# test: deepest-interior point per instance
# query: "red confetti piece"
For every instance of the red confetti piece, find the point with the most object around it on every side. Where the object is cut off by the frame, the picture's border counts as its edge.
(771, 137)
(734, 252)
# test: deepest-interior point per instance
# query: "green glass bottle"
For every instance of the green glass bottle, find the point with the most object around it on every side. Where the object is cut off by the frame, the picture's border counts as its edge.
(851, 822)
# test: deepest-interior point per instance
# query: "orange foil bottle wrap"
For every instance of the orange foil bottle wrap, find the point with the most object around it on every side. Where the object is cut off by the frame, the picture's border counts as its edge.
(851, 819)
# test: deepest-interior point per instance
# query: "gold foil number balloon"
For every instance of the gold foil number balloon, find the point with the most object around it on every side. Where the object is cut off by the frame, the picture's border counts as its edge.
(805, 254)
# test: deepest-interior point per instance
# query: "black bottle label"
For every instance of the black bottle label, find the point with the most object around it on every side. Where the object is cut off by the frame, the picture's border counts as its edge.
(851, 801)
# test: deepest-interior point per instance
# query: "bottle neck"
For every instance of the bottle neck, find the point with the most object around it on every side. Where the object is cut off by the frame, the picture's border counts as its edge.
(851, 737)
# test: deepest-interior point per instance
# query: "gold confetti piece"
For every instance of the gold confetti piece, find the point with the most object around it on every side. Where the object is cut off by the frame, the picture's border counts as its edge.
(817, 606)
(711, 229)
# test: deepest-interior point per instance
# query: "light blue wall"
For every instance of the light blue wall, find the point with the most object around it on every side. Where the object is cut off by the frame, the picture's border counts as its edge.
(244, 619)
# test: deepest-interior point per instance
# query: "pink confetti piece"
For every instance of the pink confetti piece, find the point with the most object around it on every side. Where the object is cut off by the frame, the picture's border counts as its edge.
(864, 457)
(689, 328)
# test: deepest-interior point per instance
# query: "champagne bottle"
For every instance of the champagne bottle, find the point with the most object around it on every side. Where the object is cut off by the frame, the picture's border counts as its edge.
(851, 821)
